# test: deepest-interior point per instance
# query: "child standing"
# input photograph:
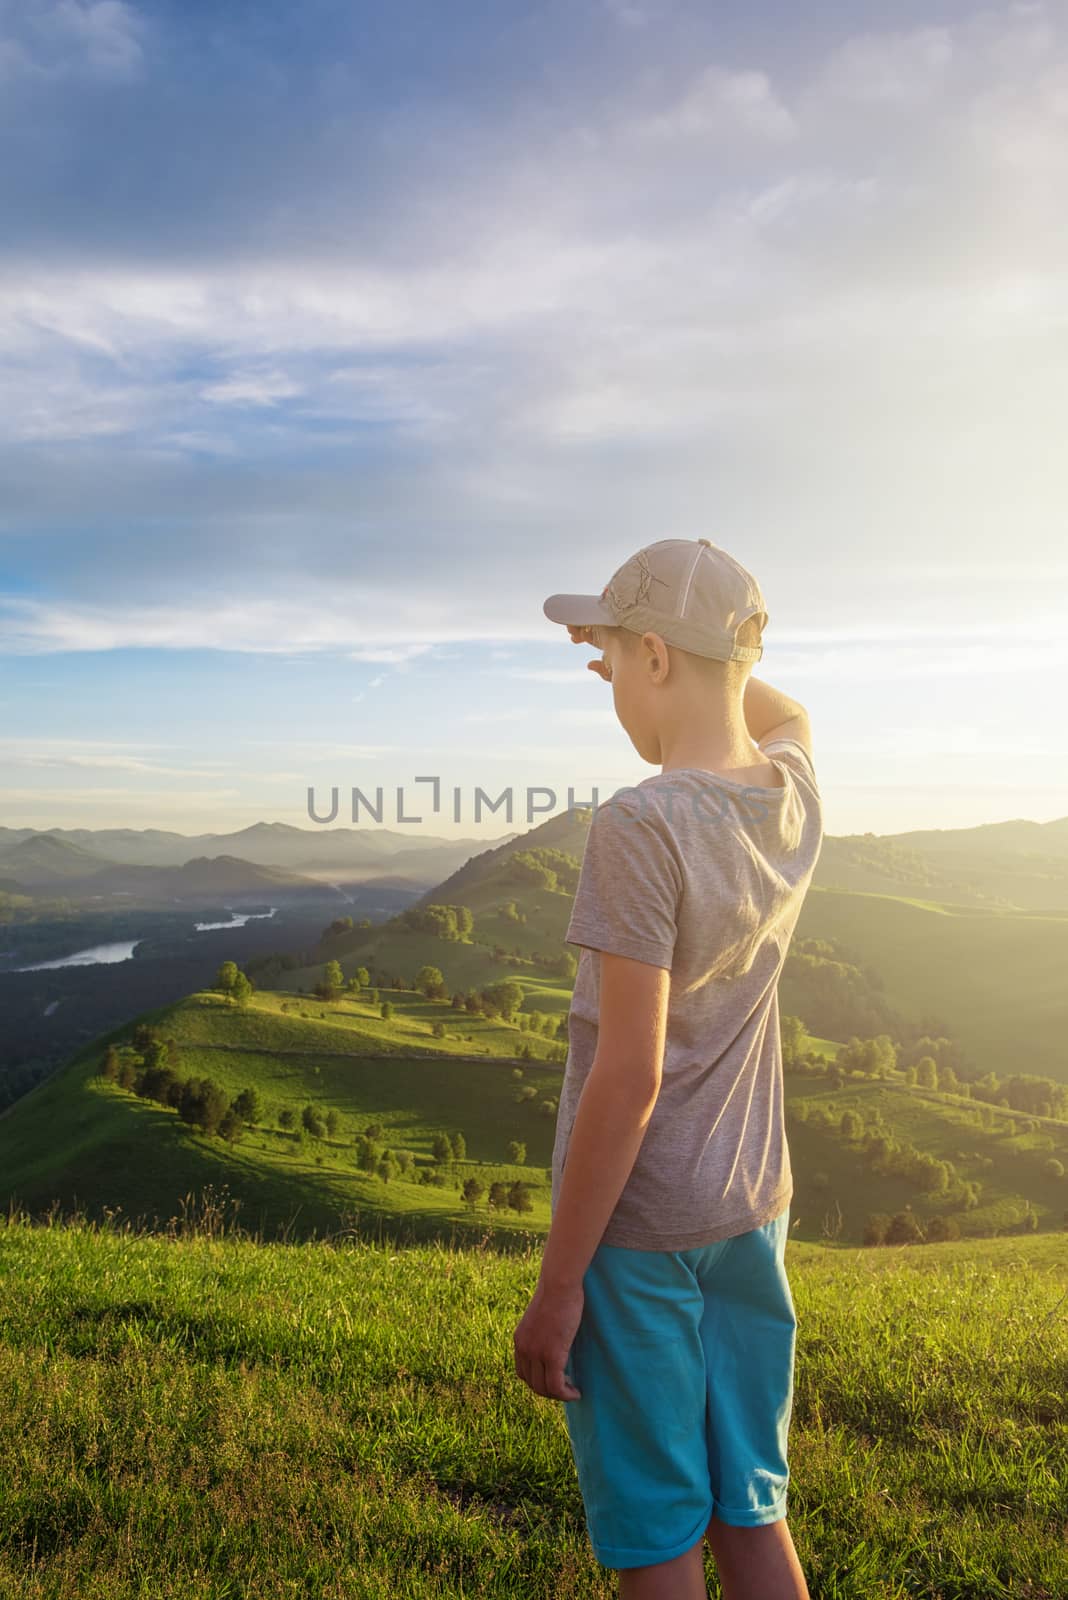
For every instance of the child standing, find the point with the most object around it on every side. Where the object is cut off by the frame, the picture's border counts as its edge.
(663, 1315)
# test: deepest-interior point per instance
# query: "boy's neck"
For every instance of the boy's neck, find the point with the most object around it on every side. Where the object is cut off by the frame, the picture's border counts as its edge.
(718, 742)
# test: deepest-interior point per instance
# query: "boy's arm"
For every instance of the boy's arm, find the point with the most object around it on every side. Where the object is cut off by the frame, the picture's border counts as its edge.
(766, 708)
(614, 1108)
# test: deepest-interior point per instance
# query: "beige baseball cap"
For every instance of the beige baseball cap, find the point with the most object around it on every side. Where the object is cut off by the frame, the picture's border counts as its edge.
(689, 591)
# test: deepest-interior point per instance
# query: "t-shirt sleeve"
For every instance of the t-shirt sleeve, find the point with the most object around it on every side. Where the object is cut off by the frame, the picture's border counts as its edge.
(629, 888)
(792, 747)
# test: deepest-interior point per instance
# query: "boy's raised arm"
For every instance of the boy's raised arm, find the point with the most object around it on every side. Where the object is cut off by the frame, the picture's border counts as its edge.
(766, 708)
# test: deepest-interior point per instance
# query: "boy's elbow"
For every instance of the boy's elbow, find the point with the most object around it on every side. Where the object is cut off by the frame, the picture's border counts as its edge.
(637, 1075)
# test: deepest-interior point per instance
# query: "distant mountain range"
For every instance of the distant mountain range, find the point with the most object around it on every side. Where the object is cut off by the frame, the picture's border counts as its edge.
(156, 866)
(1018, 864)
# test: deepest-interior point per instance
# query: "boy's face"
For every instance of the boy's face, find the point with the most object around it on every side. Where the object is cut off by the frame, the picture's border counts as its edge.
(635, 666)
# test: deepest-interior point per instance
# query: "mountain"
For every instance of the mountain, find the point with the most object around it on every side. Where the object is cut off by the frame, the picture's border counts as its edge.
(204, 878)
(58, 859)
(42, 861)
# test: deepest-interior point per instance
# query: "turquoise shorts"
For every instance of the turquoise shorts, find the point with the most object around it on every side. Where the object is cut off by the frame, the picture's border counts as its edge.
(685, 1360)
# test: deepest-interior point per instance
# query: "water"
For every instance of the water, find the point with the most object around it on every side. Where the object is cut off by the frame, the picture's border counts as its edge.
(97, 954)
(239, 920)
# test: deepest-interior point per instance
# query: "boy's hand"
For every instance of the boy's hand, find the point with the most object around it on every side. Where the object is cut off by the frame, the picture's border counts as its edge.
(584, 635)
(543, 1340)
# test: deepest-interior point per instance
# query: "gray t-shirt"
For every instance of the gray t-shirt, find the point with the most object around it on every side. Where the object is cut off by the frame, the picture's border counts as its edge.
(704, 876)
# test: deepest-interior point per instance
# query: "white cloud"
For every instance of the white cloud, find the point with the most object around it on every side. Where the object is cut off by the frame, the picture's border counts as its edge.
(388, 653)
(252, 389)
(117, 763)
(718, 104)
(897, 68)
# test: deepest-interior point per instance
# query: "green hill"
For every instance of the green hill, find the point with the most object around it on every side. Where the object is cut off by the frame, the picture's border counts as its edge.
(78, 1140)
(210, 1416)
(1021, 865)
(996, 977)
(81, 1141)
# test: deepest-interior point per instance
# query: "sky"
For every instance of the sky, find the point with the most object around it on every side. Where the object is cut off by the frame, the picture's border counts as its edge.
(335, 337)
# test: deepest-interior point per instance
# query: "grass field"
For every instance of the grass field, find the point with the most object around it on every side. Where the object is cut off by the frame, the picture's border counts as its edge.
(215, 1418)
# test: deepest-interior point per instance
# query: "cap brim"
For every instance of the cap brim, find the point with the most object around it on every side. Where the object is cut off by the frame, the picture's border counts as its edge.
(578, 610)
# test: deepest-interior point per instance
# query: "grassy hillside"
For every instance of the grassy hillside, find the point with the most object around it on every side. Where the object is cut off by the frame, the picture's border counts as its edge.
(1001, 866)
(837, 1184)
(84, 1142)
(210, 1416)
(921, 916)
(996, 977)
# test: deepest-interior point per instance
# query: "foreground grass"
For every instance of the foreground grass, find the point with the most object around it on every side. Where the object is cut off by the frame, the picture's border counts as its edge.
(211, 1416)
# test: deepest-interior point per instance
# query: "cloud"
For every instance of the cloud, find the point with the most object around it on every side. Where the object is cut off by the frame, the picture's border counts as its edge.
(388, 653)
(252, 389)
(897, 68)
(676, 294)
(117, 763)
(43, 40)
(720, 103)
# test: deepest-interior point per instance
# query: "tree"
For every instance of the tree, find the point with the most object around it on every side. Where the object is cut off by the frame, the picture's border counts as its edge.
(875, 1227)
(506, 996)
(387, 1168)
(927, 1072)
(498, 1196)
(311, 1122)
(441, 1149)
(203, 1104)
(851, 1125)
(333, 980)
(247, 1106)
(333, 1122)
(430, 982)
(792, 1032)
(904, 1229)
(519, 1197)
(438, 1030)
(286, 1117)
(224, 978)
(517, 1152)
(459, 1147)
(386, 1010)
(109, 1067)
(241, 993)
(231, 1127)
(472, 1192)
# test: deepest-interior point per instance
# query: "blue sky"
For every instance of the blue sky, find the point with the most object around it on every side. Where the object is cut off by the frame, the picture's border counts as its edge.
(333, 338)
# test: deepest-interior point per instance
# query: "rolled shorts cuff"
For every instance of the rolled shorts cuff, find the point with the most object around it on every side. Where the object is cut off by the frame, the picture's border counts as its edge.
(618, 1556)
(750, 1516)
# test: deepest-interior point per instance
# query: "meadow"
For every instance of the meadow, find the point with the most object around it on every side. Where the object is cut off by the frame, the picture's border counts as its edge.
(90, 1144)
(216, 1417)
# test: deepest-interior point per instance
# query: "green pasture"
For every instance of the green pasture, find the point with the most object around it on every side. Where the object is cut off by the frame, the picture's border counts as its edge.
(208, 1416)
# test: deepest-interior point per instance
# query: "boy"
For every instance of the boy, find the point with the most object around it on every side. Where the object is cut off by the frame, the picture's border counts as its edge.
(663, 1315)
